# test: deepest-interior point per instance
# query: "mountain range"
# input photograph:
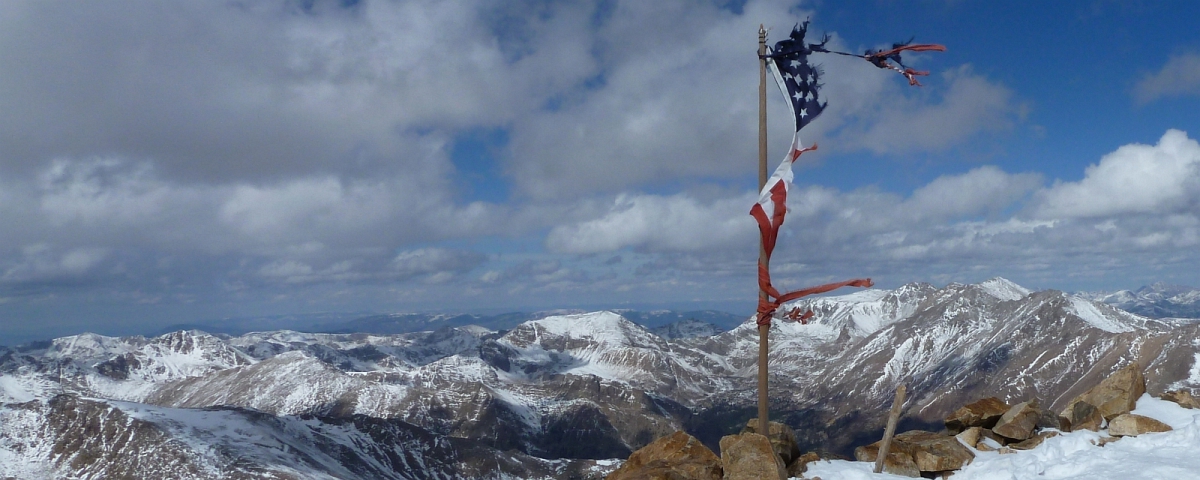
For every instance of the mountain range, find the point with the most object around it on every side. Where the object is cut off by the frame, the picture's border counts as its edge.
(1159, 300)
(564, 396)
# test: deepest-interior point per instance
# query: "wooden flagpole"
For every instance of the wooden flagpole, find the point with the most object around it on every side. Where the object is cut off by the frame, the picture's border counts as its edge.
(763, 330)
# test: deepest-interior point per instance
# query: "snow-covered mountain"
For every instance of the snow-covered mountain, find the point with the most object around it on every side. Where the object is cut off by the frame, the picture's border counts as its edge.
(1154, 301)
(574, 386)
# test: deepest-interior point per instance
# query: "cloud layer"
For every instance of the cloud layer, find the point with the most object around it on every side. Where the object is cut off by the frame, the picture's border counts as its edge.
(302, 156)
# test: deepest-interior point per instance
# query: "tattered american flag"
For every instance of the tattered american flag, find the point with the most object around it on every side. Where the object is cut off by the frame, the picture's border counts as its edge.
(799, 81)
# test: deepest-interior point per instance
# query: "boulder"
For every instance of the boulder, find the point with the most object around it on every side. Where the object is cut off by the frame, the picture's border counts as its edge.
(1032, 442)
(1050, 419)
(1115, 395)
(973, 437)
(897, 463)
(1182, 397)
(917, 451)
(750, 456)
(983, 413)
(941, 454)
(1019, 421)
(675, 456)
(901, 443)
(800, 464)
(1130, 425)
(970, 436)
(1085, 416)
(783, 439)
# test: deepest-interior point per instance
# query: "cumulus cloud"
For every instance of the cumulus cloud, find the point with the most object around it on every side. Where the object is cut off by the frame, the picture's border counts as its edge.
(1136, 178)
(42, 264)
(688, 111)
(1137, 200)
(1179, 77)
(239, 151)
(656, 223)
(969, 105)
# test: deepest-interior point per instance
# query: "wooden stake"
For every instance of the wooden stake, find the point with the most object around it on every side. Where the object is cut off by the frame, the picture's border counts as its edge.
(893, 417)
(763, 330)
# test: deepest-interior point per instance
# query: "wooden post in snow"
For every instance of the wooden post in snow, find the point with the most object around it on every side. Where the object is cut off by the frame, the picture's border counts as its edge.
(893, 417)
(763, 330)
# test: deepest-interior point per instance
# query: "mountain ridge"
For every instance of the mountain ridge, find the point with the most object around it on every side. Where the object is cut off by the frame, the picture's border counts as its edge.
(594, 386)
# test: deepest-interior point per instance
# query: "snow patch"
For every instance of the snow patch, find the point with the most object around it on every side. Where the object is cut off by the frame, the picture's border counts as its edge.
(1004, 289)
(1090, 313)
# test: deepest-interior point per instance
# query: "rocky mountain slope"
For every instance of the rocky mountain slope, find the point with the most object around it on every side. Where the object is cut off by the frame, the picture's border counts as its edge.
(586, 387)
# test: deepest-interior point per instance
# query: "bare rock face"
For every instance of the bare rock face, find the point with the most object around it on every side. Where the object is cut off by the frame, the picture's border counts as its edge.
(783, 439)
(749, 456)
(982, 413)
(1182, 397)
(1129, 425)
(677, 455)
(1085, 416)
(1117, 394)
(1019, 421)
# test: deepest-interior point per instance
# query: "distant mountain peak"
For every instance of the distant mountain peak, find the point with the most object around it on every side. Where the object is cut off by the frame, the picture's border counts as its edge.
(1004, 289)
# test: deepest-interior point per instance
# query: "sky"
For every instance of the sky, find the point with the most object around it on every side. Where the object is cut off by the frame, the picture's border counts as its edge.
(173, 162)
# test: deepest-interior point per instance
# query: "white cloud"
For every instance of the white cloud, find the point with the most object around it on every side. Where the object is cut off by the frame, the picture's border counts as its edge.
(656, 223)
(969, 104)
(1179, 77)
(1145, 179)
(982, 190)
(656, 118)
(41, 263)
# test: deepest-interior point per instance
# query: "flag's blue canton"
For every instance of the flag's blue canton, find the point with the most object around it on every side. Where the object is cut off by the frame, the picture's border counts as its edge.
(801, 78)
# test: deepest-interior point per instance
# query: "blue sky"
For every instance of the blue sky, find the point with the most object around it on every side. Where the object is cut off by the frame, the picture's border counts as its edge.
(172, 162)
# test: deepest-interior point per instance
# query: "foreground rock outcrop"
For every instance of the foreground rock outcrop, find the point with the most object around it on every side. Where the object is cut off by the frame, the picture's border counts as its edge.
(675, 456)
(750, 456)
(992, 425)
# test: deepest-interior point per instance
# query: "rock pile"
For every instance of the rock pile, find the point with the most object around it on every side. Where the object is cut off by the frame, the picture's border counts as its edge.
(991, 424)
(745, 456)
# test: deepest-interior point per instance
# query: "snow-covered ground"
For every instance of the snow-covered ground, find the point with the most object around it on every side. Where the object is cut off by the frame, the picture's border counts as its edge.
(1075, 455)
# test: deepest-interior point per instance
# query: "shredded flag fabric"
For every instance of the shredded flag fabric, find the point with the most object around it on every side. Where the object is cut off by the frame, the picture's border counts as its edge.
(880, 59)
(799, 81)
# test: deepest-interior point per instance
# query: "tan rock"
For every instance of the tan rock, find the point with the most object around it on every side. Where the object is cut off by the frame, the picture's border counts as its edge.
(800, 464)
(783, 439)
(1050, 419)
(942, 454)
(1130, 425)
(1018, 422)
(970, 436)
(1085, 416)
(901, 464)
(901, 442)
(1184, 398)
(1115, 395)
(674, 456)
(897, 463)
(983, 413)
(749, 456)
(1032, 442)
(917, 451)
